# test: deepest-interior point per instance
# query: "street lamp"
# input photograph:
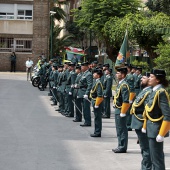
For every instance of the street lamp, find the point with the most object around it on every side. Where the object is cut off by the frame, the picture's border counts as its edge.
(51, 30)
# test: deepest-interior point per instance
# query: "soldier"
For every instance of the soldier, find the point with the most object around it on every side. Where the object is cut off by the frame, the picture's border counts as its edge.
(78, 105)
(157, 114)
(137, 121)
(54, 87)
(96, 94)
(121, 104)
(42, 73)
(107, 93)
(130, 81)
(138, 80)
(50, 74)
(60, 95)
(69, 91)
(85, 85)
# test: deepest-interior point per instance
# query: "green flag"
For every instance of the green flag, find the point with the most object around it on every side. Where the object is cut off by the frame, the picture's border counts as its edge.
(124, 52)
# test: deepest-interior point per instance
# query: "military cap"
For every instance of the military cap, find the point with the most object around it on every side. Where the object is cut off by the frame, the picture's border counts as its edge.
(85, 63)
(55, 65)
(71, 64)
(139, 68)
(147, 74)
(122, 69)
(158, 72)
(78, 67)
(95, 62)
(109, 69)
(61, 66)
(67, 63)
(134, 67)
(98, 71)
(106, 65)
(129, 65)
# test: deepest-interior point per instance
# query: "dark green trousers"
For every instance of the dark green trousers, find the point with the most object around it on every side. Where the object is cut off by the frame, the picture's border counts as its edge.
(122, 132)
(79, 105)
(128, 118)
(107, 106)
(70, 105)
(86, 111)
(97, 119)
(144, 146)
(157, 154)
(61, 101)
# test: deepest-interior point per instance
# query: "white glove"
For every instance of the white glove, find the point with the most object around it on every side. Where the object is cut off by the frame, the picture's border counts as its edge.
(75, 85)
(54, 87)
(96, 107)
(143, 130)
(70, 93)
(159, 138)
(85, 96)
(78, 97)
(105, 96)
(130, 101)
(72, 86)
(122, 115)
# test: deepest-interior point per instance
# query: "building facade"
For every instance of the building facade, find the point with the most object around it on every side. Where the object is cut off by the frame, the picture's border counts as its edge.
(24, 29)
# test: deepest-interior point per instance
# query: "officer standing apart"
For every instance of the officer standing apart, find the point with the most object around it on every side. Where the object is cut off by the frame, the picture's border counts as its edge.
(137, 121)
(13, 59)
(121, 104)
(96, 94)
(107, 93)
(157, 113)
(29, 66)
(85, 85)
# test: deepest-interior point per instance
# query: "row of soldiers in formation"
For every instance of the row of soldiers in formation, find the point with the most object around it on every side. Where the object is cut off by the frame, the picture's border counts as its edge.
(140, 102)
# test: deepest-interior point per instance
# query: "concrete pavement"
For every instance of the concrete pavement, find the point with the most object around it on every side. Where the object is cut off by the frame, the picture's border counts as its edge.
(35, 137)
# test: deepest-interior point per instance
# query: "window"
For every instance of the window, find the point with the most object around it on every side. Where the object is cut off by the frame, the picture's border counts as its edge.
(14, 44)
(16, 11)
(24, 14)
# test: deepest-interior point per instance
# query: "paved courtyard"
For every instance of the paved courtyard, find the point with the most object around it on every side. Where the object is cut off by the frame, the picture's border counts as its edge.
(33, 136)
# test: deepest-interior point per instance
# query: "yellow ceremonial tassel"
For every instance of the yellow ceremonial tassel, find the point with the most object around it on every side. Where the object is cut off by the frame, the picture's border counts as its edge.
(165, 127)
(125, 107)
(98, 101)
(145, 120)
(132, 95)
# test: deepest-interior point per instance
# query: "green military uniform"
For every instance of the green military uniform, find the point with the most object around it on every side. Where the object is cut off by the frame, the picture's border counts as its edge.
(78, 108)
(69, 92)
(85, 85)
(97, 93)
(42, 73)
(74, 60)
(157, 111)
(137, 123)
(122, 96)
(54, 87)
(60, 93)
(107, 93)
(137, 84)
(130, 80)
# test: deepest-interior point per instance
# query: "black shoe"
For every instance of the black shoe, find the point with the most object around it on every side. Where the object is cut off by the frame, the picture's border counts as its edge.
(129, 129)
(57, 110)
(75, 120)
(95, 135)
(54, 104)
(105, 117)
(49, 94)
(137, 141)
(118, 150)
(113, 150)
(41, 89)
(85, 125)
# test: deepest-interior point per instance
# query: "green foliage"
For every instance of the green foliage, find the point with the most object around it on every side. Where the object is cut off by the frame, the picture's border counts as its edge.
(142, 64)
(142, 28)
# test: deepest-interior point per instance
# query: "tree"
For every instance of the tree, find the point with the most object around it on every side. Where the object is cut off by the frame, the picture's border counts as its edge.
(95, 13)
(60, 43)
(142, 29)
